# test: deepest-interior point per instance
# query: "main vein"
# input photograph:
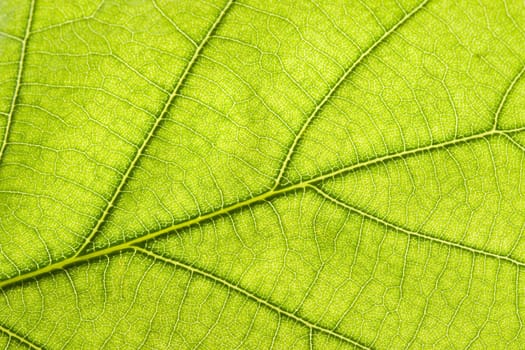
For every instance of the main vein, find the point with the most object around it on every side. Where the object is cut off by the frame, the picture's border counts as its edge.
(272, 193)
(152, 130)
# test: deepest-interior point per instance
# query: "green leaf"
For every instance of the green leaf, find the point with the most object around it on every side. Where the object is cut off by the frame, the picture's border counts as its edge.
(262, 174)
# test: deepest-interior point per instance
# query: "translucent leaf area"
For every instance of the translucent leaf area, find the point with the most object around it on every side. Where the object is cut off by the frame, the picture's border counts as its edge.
(257, 174)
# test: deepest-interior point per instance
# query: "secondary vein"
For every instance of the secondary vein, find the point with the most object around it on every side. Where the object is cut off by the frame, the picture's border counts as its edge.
(152, 130)
(334, 88)
(252, 296)
(505, 96)
(411, 233)
(16, 93)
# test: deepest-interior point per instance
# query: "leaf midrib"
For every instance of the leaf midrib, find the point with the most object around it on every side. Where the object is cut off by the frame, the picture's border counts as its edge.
(265, 196)
(77, 256)
(273, 192)
(157, 122)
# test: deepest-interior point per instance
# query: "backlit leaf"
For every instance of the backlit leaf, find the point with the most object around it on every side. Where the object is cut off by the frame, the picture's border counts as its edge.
(262, 174)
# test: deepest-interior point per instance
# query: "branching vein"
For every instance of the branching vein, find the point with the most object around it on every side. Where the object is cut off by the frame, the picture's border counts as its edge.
(334, 88)
(16, 93)
(153, 129)
(254, 297)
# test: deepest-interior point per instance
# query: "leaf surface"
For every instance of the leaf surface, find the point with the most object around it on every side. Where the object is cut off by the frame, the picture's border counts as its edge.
(259, 174)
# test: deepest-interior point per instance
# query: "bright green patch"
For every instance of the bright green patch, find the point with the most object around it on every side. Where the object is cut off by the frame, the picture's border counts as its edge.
(262, 174)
